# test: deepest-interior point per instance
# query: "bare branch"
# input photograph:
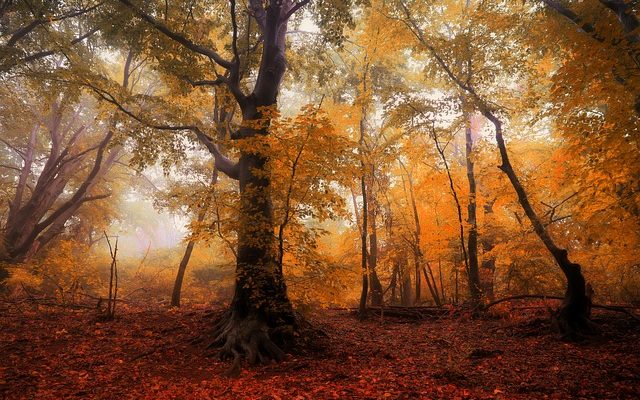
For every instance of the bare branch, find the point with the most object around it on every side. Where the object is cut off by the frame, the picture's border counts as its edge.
(10, 167)
(12, 147)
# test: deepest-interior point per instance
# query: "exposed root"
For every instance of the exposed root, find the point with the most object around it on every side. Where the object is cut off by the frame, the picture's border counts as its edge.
(248, 338)
(573, 326)
(252, 339)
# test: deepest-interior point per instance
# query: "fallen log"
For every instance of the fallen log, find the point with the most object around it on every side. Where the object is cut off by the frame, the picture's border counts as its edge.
(617, 308)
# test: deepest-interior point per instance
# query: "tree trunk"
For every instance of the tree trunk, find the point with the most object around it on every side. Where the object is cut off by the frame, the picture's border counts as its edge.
(177, 286)
(405, 294)
(418, 281)
(444, 295)
(472, 243)
(365, 202)
(417, 251)
(454, 194)
(431, 284)
(456, 298)
(394, 284)
(488, 265)
(573, 314)
(375, 287)
(260, 323)
(363, 250)
(222, 117)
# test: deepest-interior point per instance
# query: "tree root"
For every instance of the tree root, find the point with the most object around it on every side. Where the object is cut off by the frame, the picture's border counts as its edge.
(252, 339)
(573, 328)
(238, 338)
(249, 338)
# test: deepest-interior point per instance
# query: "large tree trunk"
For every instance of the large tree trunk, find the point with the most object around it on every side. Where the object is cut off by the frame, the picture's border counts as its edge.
(472, 243)
(260, 323)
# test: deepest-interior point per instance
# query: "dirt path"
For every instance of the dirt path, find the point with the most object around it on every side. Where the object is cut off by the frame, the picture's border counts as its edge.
(149, 354)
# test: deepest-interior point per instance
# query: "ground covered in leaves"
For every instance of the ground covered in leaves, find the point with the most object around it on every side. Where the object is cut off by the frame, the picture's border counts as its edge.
(154, 353)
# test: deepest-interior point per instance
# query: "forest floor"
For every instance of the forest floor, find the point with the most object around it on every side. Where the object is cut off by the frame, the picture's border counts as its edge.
(149, 354)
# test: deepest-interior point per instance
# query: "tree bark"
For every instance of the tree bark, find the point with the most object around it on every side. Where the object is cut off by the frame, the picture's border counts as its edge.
(260, 323)
(375, 287)
(182, 268)
(472, 242)
(363, 251)
(573, 314)
(488, 265)
(405, 293)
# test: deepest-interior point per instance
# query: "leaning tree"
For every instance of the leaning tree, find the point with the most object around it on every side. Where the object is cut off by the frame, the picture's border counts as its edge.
(574, 313)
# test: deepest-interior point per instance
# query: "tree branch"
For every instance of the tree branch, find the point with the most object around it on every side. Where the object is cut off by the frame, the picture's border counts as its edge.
(25, 30)
(295, 8)
(234, 88)
(257, 10)
(205, 51)
(96, 197)
(12, 147)
(224, 164)
(570, 15)
(626, 16)
(10, 167)
(46, 53)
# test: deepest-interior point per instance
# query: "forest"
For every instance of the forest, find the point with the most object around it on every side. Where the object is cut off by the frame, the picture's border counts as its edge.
(319, 199)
